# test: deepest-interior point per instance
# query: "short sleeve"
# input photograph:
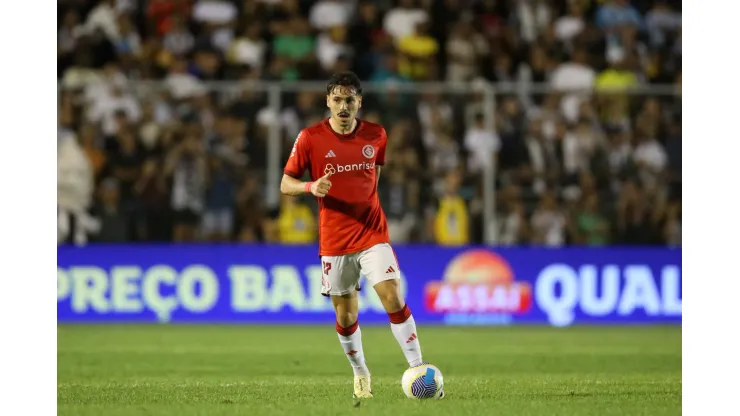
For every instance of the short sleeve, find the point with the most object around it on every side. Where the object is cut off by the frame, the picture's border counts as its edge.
(380, 160)
(298, 161)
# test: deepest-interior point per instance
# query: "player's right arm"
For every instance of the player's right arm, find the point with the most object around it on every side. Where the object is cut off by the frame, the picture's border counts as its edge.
(292, 186)
(297, 164)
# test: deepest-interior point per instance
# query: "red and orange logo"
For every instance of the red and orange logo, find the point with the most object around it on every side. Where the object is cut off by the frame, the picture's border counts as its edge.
(478, 281)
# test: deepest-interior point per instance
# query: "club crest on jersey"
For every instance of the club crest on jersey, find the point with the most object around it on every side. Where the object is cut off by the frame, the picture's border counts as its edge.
(368, 151)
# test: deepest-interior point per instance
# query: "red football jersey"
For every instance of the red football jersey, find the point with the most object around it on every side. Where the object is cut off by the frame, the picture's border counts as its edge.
(350, 216)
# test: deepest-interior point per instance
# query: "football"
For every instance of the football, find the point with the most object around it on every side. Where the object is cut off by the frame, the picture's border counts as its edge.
(423, 382)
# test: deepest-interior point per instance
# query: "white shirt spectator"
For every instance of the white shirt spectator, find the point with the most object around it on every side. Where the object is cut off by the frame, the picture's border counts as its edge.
(578, 149)
(75, 185)
(217, 12)
(184, 85)
(572, 76)
(99, 86)
(509, 229)
(651, 153)
(463, 56)
(74, 174)
(249, 52)
(550, 224)
(619, 156)
(328, 51)
(428, 112)
(400, 22)
(482, 145)
(330, 13)
(103, 17)
(533, 18)
(105, 109)
(568, 27)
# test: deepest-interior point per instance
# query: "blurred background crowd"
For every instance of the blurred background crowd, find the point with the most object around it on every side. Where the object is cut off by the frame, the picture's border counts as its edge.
(163, 127)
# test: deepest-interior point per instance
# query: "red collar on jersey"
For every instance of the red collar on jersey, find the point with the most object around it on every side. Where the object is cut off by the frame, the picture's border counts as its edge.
(350, 135)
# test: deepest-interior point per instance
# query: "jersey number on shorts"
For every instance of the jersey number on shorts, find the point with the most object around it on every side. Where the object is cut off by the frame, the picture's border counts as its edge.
(327, 267)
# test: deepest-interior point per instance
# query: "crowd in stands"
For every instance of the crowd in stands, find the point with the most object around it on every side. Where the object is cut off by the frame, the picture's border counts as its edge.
(585, 145)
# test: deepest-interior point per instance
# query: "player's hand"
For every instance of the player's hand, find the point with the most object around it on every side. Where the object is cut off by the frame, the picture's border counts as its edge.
(321, 187)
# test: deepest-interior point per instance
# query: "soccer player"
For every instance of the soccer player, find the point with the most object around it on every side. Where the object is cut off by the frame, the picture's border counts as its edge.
(343, 155)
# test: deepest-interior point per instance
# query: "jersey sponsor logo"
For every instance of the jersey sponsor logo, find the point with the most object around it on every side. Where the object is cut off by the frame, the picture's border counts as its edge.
(329, 168)
(368, 151)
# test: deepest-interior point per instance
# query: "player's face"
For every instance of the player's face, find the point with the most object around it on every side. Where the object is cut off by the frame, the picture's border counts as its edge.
(344, 104)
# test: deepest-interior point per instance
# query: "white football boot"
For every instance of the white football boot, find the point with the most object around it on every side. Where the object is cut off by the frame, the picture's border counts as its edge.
(362, 388)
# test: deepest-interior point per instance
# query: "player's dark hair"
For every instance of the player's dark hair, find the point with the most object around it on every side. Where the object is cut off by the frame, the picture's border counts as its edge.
(344, 79)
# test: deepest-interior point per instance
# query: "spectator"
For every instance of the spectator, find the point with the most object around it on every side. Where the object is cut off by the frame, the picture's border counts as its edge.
(114, 223)
(465, 50)
(178, 41)
(400, 203)
(295, 46)
(401, 21)
(292, 223)
(74, 191)
(533, 17)
(589, 225)
(220, 199)
(327, 14)
(162, 13)
(249, 48)
(482, 146)
(513, 226)
(186, 165)
(418, 50)
(91, 145)
(649, 155)
(153, 197)
(572, 24)
(575, 79)
(548, 222)
(103, 18)
(218, 18)
(331, 45)
(616, 15)
(449, 220)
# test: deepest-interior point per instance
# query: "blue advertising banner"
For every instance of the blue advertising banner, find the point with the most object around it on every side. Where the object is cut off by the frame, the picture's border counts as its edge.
(454, 286)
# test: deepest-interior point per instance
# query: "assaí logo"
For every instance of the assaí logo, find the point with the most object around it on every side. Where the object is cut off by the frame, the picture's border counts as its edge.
(478, 286)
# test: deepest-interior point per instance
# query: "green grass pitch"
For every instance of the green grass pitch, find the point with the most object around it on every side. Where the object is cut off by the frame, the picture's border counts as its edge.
(300, 370)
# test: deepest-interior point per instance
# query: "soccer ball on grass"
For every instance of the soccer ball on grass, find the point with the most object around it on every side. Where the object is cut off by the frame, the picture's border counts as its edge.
(424, 381)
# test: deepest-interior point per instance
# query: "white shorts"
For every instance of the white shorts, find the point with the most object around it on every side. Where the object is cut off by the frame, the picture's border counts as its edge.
(341, 274)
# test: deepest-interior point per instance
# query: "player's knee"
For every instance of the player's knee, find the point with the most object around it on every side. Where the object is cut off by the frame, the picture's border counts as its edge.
(346, 318)
(389, 292)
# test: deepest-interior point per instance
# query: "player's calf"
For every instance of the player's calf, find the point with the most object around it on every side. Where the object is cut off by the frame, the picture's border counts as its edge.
(349, 332)
(403, 325)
